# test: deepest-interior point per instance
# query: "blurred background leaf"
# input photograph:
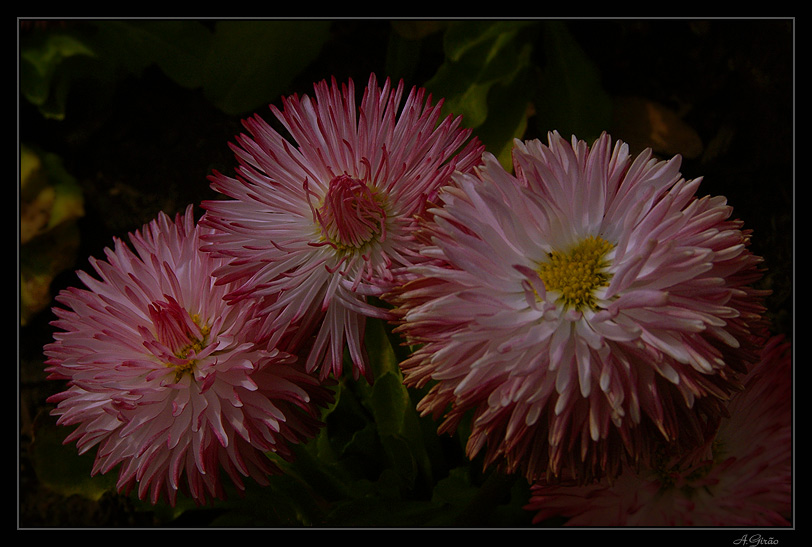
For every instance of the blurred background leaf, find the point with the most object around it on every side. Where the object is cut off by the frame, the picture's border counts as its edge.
(180, 48)
(44, 74)
(50, 203)
(240, 65)
(648, 124)
(570, 98)
(488, 79)
(252, 63)
(62, 470)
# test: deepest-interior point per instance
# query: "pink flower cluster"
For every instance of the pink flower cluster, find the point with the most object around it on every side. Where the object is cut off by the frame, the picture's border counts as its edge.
(594, 317)
(209, 345)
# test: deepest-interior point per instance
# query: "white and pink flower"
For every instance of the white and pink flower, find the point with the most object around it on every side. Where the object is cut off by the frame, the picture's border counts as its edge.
(586, 307)
(320, 222)
(165, 376)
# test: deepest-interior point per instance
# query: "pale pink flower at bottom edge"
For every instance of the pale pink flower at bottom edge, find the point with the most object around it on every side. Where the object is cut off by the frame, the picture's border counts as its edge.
(165, 377)
(744, 478)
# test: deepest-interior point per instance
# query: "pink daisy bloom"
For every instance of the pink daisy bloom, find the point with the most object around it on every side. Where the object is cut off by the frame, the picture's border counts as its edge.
(164, 375)
(742, 478)
(580, 308)
(316, 227)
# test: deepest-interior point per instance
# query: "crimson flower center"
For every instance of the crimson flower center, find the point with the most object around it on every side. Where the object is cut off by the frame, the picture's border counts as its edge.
(351, 214)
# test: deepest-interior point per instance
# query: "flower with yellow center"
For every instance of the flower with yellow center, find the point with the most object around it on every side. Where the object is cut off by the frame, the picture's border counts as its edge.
(582, 308)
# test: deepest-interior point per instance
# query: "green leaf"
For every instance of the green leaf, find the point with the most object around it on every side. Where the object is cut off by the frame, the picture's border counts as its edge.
(251, 63)
(382, 357)
(52, 51)
(463, 38)
(486, 79)
(382, 512)
(62, 469)
(481, 501)
(402, 56)
(284, 501)
(179, 48)
(240, 65)
(50, 203)
(571, 98)
(509, 110)
(44, 57)
(390, 404)
(68, 204)
(455, 491)
(43, 82)
(393, 408)
(479, 55)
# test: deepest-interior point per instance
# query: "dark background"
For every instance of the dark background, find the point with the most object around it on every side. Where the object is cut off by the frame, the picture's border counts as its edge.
(152, 146)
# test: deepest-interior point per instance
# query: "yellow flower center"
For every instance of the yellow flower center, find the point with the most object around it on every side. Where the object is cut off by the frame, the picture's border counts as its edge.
(577, 274)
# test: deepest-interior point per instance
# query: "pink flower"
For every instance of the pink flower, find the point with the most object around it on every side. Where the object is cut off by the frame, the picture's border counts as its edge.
(165, 376)
(742, 478)
(316, 227)
(581, 309)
